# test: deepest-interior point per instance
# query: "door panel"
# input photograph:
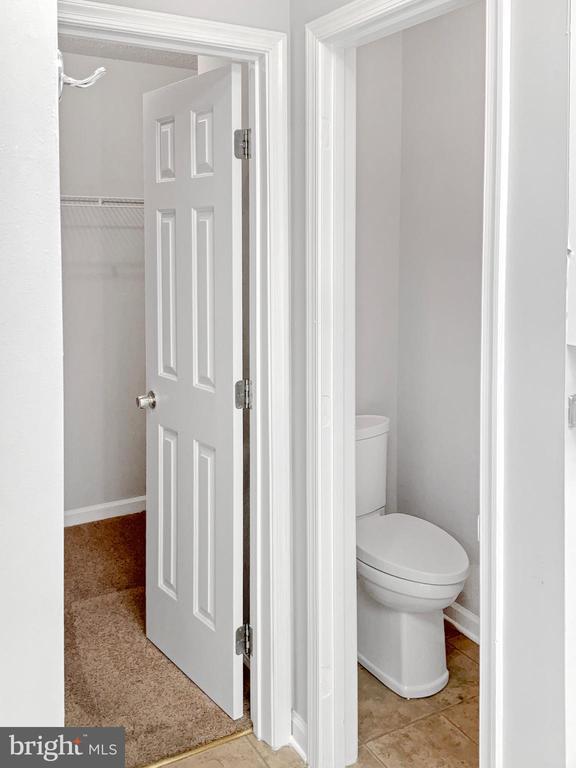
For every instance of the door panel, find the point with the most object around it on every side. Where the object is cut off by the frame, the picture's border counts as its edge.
(193, 207)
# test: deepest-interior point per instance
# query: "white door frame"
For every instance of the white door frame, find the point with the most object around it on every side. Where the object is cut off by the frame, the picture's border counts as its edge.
(270, 566)
(331, 148)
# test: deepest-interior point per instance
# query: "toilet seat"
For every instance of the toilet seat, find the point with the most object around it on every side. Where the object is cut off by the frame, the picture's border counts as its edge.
(410, 548)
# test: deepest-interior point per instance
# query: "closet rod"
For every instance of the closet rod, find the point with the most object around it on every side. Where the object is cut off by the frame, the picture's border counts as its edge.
(85, 82)
(102, 202)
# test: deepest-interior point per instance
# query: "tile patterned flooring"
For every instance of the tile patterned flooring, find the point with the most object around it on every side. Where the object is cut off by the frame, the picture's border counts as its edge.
(438, 732)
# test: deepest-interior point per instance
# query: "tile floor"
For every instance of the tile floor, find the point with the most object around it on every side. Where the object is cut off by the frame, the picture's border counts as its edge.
(438, 732)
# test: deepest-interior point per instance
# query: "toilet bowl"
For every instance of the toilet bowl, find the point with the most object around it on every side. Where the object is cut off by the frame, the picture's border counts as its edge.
(408, 571)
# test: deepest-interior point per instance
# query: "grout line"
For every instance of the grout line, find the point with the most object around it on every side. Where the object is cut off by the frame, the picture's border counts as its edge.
(374, 755)
(445, 716)
(462, 651)
(430, 714)
(415, 722)
(460, 731)
(261, 757)
(419, 720)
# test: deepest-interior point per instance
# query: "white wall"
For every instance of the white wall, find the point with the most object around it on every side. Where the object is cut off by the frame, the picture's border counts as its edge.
(570, 553)
(31, 460)
(570, 457)
(420, 153)
(103, 281)
(533, 639)
(570, 447)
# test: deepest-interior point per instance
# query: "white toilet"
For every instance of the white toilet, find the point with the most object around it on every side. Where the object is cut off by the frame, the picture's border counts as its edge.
(408, 571)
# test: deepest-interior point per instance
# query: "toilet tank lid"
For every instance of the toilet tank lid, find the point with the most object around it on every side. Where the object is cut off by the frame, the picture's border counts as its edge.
(371, 426)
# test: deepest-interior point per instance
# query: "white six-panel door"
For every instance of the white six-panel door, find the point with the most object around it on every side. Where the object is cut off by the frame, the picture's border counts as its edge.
(193, 205)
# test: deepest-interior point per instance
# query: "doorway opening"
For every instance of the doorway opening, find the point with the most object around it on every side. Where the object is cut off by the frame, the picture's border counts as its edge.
(116, 561)
(381, 215)
(265, 54)
(418, 270)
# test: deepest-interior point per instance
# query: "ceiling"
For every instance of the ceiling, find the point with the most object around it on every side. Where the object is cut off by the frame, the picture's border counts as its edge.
(123, 52)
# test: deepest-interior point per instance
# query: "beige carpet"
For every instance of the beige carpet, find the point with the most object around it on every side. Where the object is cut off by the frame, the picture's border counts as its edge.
(114, 675)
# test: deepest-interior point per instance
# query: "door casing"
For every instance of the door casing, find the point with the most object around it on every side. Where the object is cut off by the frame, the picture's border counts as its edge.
(265, 52)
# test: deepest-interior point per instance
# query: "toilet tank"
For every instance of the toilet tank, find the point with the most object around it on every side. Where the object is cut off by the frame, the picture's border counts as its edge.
(371, 463)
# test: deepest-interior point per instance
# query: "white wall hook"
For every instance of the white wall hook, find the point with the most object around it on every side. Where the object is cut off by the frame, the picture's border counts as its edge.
(86, 82)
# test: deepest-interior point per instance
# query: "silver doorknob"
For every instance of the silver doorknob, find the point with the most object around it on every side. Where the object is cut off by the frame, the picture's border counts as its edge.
(146, 401)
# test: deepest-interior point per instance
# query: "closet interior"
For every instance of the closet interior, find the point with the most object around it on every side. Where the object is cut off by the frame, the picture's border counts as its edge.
(114, 675)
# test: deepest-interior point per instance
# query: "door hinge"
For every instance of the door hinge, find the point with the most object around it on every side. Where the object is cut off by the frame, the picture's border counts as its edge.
(243, 143)
(244, 640)
(244, 394)
(572, 411)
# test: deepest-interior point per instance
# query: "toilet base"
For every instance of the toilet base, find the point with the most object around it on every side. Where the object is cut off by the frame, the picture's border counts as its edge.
(406, 692)
(405, 651)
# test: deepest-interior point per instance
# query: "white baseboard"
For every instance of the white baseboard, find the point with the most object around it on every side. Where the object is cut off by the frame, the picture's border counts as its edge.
(104, 511)
(464, 620)
(299, 740)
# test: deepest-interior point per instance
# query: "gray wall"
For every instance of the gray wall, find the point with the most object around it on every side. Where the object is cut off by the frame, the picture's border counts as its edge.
(420, 138)
(378, 179)
(420, 133)
(441, 278)
(103, 281)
